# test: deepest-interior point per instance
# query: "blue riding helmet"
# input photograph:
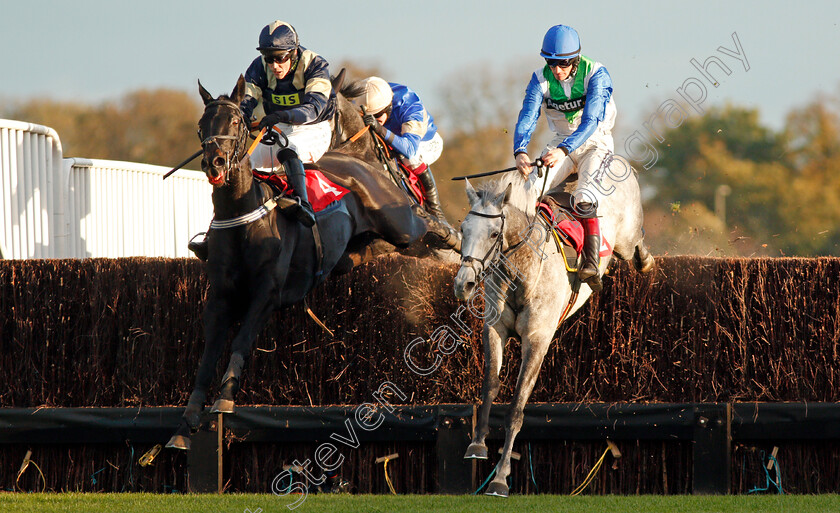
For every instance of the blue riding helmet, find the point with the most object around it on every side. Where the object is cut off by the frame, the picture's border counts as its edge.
(560, 42)
(278, 36)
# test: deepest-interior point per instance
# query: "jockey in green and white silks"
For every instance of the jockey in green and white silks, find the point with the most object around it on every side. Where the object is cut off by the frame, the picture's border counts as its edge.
(575, 93)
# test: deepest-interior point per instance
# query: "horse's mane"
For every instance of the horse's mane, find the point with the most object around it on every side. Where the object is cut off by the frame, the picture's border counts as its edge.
(523, 193)
(353, 90)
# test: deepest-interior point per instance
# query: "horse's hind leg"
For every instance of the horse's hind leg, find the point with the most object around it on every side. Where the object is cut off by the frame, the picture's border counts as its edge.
(489, 390)
(358, 256)
(533, 352)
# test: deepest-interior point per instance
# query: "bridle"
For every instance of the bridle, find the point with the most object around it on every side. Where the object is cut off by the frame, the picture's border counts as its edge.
(238, 152)
(496, 251)
(338, 132)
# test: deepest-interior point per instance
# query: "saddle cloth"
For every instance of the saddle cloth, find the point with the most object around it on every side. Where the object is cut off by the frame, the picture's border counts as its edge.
(557, 212)
(321, 191)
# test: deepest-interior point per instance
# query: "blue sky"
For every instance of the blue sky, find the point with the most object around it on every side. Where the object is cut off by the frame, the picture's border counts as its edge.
(97, 50)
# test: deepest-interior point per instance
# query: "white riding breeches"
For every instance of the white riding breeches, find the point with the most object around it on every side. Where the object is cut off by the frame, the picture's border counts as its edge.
(427, 152)
(591, 161)
(310, 142)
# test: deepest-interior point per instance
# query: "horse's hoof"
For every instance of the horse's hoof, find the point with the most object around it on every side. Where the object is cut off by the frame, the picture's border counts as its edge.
(643, 261)
(497, 489)
(179, 442)
(646, 265)
(476, 452)
(222, 406)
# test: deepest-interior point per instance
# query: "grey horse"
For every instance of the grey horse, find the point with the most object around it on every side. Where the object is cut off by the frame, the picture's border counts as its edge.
(527, 290)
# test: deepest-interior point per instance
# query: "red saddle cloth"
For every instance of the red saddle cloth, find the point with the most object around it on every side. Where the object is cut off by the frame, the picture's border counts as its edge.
(571, 231)
(321, 191)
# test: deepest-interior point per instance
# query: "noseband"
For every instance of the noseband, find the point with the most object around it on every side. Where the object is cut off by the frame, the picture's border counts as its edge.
(238, 152)
(494, 251)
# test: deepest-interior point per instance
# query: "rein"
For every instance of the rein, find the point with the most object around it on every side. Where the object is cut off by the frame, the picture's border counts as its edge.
(338, 132)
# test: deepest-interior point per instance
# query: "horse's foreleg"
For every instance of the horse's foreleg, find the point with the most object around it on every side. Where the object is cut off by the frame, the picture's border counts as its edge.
(258, 313)
(217, 323)
(533, 353)
(489, 390)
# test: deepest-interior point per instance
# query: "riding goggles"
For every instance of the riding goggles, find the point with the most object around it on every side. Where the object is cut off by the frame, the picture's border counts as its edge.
(563, 63)
(279, 58)
(386, 110)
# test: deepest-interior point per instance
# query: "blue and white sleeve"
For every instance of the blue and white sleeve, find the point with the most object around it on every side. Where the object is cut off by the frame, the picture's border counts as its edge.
(528, 116)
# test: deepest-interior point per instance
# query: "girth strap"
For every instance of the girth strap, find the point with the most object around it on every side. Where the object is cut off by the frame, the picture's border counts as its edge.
(319, 248)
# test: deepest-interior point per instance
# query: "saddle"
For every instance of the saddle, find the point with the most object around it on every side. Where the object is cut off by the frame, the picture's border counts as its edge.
(322, 192)
(556, 211)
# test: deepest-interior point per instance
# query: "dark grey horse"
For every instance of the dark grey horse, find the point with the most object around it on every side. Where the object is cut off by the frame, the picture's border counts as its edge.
(529, 291)
(260, 260)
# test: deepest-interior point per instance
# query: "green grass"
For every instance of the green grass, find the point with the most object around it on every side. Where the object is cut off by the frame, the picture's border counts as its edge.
(235, 503)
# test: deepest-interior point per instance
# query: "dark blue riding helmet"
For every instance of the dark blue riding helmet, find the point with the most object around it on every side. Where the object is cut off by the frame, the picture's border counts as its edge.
(278, 36)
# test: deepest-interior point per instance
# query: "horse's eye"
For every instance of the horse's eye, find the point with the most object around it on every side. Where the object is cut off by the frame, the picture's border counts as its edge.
(494, 235)
(235, 122)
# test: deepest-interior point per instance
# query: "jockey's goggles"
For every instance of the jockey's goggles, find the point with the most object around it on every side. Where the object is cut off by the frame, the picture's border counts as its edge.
(563, 63)
(279, 58)
(386, 110)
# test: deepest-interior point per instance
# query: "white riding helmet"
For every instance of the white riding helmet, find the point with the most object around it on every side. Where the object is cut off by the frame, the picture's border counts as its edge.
(377, 96)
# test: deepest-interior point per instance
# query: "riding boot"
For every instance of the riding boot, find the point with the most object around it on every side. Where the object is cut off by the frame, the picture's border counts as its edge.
(590, 272)
(296, 177)
(199, 247)
(432, 198)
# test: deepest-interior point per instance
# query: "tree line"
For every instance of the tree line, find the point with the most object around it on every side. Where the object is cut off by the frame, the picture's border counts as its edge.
(724, 184)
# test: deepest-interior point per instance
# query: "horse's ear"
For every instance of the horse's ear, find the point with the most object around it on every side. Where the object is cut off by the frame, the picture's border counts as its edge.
(338, 80)
(507, 193)
(471, 194)
(504, 197)
(238, 91)
(206, 96)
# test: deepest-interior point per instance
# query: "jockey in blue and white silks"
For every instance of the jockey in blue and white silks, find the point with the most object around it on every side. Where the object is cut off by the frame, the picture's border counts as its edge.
(396, 114)
(575, 93)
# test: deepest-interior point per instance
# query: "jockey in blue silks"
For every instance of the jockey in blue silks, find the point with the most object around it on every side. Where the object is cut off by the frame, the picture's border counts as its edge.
(396, 114)
(575, 93)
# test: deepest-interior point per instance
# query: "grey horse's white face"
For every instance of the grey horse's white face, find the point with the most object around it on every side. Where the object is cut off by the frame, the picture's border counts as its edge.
(481, 238)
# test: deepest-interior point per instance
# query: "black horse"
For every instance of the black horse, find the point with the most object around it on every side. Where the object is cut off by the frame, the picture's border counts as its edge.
(259, 260)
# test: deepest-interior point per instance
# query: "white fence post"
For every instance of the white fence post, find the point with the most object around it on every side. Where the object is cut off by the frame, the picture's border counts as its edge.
(54, 207)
